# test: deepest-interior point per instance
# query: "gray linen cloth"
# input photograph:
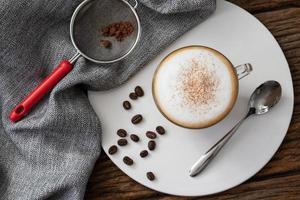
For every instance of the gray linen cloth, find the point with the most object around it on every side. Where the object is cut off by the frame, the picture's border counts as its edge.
(51, 153)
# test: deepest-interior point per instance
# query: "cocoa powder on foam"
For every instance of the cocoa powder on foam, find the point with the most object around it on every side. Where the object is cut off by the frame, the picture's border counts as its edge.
(198, 84)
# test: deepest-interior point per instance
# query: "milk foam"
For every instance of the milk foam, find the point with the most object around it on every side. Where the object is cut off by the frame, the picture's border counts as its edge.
(167, 86)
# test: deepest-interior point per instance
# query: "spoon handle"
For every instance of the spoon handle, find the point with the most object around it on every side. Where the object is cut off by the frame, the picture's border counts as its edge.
(205, 159)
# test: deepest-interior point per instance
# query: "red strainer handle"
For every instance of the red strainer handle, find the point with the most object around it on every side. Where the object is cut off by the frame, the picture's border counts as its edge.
(39, 92)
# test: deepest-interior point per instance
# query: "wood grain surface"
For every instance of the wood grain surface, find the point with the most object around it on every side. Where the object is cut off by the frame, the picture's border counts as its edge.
(280, 178)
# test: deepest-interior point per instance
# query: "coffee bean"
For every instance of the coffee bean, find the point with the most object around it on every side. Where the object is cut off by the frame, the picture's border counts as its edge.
(151, 135)
(139, 91)
(122, 133)
(126, 105)
(113, 149)
(144, 153)
(151, 145)
(160, 130)
(150, 176)
(134, 137)
(137, 119)
(122, 142)
(133, 96)
(127, 160)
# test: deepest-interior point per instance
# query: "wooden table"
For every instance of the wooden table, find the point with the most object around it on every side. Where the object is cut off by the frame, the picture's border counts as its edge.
(280, 178)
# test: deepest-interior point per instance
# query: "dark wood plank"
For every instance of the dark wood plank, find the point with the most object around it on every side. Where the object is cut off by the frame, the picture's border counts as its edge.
(280, 178)
(257, 6)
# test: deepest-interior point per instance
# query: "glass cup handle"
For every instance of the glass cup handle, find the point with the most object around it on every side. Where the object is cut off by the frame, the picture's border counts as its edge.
(243, 70)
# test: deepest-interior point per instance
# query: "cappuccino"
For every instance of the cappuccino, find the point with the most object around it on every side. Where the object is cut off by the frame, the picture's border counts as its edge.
(195, 87)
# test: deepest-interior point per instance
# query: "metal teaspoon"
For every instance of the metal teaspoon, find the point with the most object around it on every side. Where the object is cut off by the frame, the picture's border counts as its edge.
(261, 101)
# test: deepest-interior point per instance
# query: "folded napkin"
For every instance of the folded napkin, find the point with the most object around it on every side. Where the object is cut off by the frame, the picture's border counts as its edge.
(51, 153)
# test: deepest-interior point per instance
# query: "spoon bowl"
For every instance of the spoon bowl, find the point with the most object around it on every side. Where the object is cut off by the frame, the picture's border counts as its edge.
(266, 96)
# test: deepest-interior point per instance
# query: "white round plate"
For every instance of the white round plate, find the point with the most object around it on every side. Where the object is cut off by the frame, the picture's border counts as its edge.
(242, 38)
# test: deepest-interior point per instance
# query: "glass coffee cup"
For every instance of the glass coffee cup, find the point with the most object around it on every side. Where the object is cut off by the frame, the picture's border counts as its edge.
(196, 86)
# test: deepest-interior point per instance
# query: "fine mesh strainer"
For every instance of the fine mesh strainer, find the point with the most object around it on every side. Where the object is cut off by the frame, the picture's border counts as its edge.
(88, 17)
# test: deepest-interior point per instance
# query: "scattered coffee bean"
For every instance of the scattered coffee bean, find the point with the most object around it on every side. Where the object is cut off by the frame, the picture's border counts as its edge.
(139, 91)
(137, 119)
(151, 135)
(134, 137)
(160, 130)
(122, 133)
(122, 142)
(127, 160)
(151, 145)
(133, 96)
(150, 176)
(113, 149)
(144, 153)
(126, 105)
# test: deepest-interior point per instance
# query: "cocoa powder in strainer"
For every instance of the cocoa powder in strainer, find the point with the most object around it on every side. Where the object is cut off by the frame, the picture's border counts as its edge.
(119, 30)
